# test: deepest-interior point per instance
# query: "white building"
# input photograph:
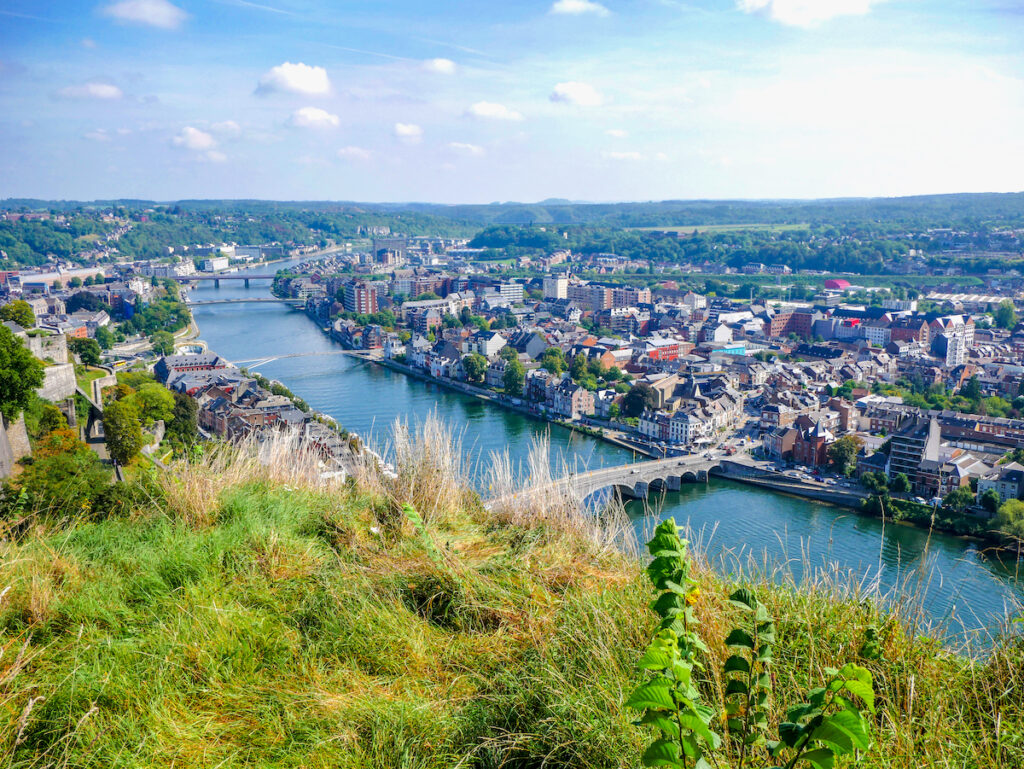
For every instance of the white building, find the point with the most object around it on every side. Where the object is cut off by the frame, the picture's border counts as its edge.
(556, 288)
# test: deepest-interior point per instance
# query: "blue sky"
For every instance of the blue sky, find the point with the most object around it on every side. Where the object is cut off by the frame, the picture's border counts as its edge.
(400, 100)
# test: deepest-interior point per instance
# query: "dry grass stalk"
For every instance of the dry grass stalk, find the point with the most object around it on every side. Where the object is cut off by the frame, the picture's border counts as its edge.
(545, 498)
(427, 468)
(192, 488)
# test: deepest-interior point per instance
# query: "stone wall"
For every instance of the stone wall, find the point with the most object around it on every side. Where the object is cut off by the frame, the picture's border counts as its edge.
(59, 383)
(13, 444)
(53, 347)
(6, 453)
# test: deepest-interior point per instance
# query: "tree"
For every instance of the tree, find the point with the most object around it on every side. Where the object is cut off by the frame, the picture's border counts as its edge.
(183, 426)
(613, 411)
(104, 338)
(427, 296)
(553, 360)
(1009, 521)
(152, 402)
(20, 312)
(876, 482)
(514, 378)
(87, 350)
(959, 499)
(65, 475)
(640, 397)
(971, 389)
(475, 366)
(990, 500)
(843, 451)
(163, 342)
(20, 375)
(509, 353)
(123, 431)
(578, 368)
(75, 282)
(1005, 314)
(901, 483)
(51, 418)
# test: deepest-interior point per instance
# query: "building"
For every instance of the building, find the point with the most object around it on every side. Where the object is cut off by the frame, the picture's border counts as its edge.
(1007, 480)
(216, 263)
(572, 400)
(360, 298)
(914, 442)
(556, 288)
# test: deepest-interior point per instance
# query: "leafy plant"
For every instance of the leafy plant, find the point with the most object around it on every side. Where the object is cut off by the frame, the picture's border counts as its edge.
(829, 723)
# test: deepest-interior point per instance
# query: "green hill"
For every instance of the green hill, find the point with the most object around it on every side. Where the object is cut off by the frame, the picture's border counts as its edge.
(244, 614)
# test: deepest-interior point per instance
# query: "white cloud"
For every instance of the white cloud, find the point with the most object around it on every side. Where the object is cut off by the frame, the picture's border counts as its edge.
(579, 7)
(806, 13)
(193, 139)
(313, 117)
(295, 78)
(491, 111)
(468, 149)
(354, 153)
(91, 90)
(623, 156)
(617, 133)
(408, 132)
(88, 42)
(214, 156)
(440, 66)
(99, 135)
(152, 13)
(580, 94)
(227, 128)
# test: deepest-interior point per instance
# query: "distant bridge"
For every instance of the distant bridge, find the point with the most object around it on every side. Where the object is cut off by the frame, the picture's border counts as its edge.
(201, 302)
(254, 362)
(218, 278)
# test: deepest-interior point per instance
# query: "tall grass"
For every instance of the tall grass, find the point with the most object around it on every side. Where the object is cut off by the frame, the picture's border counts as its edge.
(259, 614)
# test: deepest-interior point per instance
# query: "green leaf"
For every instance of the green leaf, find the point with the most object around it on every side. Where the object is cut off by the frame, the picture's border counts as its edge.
(854, 724)
(662, 721)
(855, 671)
(661, 753)
(668, 603)
(823, 758)
(790, 733)
(661, 653)
(744, 598)
(863, 690)
(735, 686)
(736, 664)
(740, 637)
(834, 735)
(698, 727)
(655, 694)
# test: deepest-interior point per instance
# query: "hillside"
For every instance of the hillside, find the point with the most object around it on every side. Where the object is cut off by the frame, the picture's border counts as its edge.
(244, 613)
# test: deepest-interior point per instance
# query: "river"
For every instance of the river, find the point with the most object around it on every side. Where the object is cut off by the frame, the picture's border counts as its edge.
(952, 579)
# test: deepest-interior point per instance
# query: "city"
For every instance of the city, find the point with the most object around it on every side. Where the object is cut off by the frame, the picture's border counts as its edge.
(565, 384)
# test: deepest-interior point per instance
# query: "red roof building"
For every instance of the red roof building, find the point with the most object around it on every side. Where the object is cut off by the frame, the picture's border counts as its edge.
(837, 284)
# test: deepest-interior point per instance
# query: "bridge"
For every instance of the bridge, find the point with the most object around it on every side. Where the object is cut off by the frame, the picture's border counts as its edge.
(289, 302)
(217, 278)
(633, 481)
(254, 362)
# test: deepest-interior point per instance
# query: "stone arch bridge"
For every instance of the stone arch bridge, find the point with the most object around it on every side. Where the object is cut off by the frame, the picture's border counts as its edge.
(637, 480)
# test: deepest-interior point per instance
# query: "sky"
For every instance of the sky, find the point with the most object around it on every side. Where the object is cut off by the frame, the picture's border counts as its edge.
(469, 101)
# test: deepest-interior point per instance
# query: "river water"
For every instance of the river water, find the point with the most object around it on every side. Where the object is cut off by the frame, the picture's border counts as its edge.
(953, 580)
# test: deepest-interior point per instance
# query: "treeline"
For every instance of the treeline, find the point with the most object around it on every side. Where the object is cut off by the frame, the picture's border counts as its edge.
(832, 250)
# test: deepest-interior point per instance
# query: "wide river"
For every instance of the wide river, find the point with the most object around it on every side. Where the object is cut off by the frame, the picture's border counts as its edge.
(952, 580)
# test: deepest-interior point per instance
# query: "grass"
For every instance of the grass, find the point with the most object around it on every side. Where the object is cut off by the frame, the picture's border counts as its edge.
(249, 614)
(86, 375)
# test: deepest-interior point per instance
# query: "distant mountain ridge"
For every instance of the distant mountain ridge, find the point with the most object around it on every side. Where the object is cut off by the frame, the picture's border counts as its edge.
(917, 210)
